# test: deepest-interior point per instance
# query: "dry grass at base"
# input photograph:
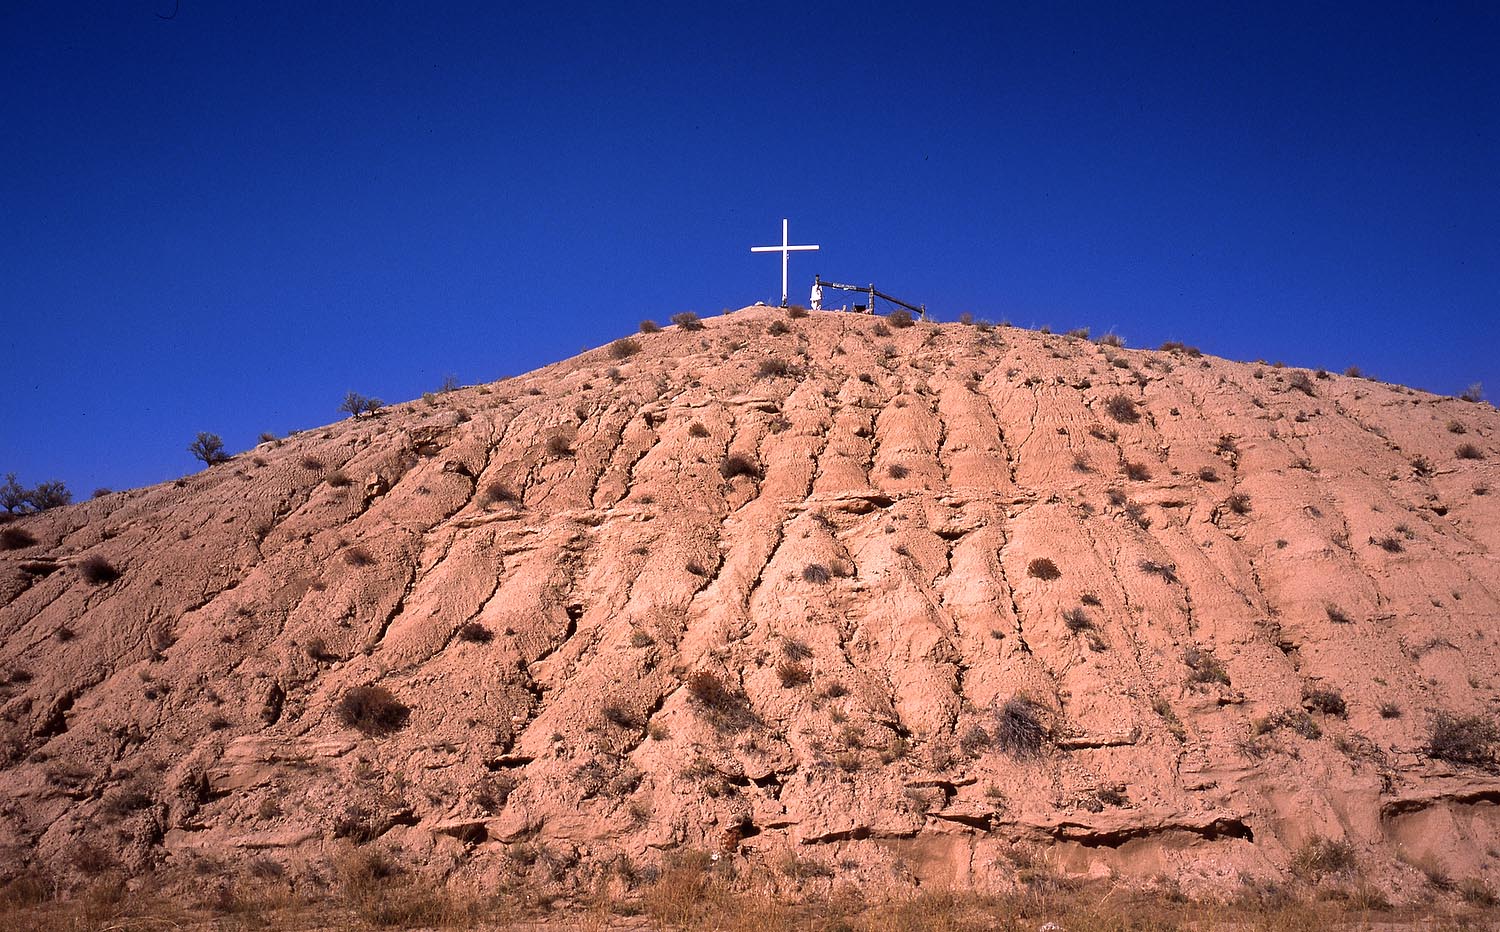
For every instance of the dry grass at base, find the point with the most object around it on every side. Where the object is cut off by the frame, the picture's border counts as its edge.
(695, 893)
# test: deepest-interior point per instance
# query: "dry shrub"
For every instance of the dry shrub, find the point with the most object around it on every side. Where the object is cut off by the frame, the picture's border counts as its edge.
(14, 538)
(1318, 857)
(1328, 701)
(650, 326)
(559, 445)
(1239, 503)
(696, 429)
(1208, 474)
(777, 328)
(687, 320)
(1463, 739)
(1138, 472)
(725, 708)
(373, 710)
(338, 479)
(624, 348)
(358, 556)
(773, 368)
(900, 318)
(736, 464)
(1166, 571)
(1077, 620)
(1018, 728)
(816, 573)
(796, 312)
(1467, 451)
(475, 633)
(98, 570)
(499, 492)
(897, 471)
(792, 674)
(1122, 408)
(1044, 569)
(1205, 667)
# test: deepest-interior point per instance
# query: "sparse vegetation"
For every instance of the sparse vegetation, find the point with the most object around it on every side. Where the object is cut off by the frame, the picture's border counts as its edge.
(736, 464)
(687, 320)
(1044, 569)
(1463, 739)
(559, 445)
(725, 708)
(897, 471)
(355, 404)
(475, 633)
(1337, 615)
(1319, 857)
(1165, 570)
(899, 318)
(1302, 383)
(14, 538)
(1122, 408)
(1208, 474)
(1390, 709)
(358, 556)
(373, 710)
(1204, 667)
(1467, 451)
(792, 674)
(1474, 393)
(1137, 472)
(98, 570)
(816, 573)
(497, 492)
(1077, 620)
(209, 448)
(773, 368)
(1018, 729)
(1421, 466)
(338, 479)
(624, 348)
(1238, 502)
(650, 326)
(1325, 700)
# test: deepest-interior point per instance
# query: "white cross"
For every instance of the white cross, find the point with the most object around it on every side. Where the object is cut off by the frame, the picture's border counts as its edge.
(785, 251)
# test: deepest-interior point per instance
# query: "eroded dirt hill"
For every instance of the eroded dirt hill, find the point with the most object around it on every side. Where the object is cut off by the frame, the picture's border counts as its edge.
(936, 604)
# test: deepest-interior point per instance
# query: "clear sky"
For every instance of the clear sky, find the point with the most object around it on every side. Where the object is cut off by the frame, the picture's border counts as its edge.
(225, 219)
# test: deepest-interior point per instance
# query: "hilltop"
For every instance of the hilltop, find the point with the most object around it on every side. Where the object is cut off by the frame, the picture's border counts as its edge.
(834, 602)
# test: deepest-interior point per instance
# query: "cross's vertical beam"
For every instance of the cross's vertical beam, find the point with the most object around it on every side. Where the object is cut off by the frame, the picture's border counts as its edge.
(786, 249)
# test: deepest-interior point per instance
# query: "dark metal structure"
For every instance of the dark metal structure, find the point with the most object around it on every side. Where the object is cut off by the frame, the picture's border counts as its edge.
(918, 309)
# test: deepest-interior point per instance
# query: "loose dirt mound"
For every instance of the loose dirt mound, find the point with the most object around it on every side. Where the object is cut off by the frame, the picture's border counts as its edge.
(934, 604)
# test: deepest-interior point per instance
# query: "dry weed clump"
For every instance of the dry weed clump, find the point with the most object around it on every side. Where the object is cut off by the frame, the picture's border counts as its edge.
(1470, 740)
(624, 348)
(1019, 730)
(1122, 408)
(736, 464)
(98, 570)
(1044, 569)
(14, 538)
(687, 320)
(650, 326)
(373, 710)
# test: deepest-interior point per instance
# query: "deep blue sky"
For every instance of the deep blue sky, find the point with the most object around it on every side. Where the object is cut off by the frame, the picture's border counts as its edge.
(225, 220)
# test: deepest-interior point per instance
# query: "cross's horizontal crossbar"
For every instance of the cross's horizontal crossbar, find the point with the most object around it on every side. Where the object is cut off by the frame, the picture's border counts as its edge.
(779, 248)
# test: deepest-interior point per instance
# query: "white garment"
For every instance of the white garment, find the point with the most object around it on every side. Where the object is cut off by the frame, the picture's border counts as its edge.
(817, 297)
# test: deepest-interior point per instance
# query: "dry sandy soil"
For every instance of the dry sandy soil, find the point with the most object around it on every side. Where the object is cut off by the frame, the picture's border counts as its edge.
(815, 600)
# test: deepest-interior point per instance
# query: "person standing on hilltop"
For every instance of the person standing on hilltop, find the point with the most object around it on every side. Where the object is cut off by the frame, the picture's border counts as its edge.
(817, 294)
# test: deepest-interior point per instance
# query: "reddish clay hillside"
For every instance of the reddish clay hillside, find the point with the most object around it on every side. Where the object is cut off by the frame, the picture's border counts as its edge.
(852, 603)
